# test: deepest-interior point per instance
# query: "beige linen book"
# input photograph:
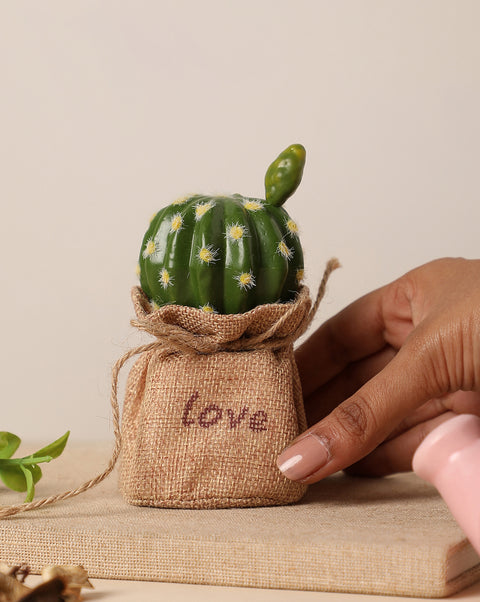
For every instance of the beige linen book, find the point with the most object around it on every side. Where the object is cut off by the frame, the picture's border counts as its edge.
(387, 536)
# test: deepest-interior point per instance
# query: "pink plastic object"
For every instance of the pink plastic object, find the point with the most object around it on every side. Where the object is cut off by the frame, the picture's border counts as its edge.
(449, 459)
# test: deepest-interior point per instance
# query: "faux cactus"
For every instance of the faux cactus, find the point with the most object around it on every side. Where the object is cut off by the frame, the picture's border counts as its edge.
(227, 254)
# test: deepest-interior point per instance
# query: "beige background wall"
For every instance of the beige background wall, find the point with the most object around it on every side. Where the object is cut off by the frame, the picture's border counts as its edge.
(110, 109)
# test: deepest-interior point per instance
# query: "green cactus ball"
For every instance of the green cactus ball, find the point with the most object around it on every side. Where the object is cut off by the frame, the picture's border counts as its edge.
(227, 254)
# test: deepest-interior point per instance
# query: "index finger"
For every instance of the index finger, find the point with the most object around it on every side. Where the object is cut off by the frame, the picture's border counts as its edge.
(354, 333)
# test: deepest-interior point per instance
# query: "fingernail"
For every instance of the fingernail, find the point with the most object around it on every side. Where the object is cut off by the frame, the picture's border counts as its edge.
(304, 457)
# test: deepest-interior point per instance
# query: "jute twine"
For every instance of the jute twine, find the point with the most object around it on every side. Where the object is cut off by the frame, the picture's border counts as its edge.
(171, 339)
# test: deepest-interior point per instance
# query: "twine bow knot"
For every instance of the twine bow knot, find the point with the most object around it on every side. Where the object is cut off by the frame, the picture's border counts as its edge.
(171, 338)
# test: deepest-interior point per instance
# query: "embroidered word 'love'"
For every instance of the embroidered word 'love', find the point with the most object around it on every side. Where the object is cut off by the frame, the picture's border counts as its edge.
(212, 414)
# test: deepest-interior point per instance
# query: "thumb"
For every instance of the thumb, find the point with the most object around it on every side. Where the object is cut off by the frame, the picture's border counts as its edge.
(359, 424)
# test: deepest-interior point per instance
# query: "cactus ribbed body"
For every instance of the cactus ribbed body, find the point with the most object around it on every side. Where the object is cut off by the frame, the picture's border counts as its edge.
(222, 253)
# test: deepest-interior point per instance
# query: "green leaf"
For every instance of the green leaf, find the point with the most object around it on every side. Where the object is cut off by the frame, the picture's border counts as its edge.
(36, 472)
(21, 474)
(19, 477)
(53, 449)
(13, 477)
(8, 444)
(29, 482)
(27, 460)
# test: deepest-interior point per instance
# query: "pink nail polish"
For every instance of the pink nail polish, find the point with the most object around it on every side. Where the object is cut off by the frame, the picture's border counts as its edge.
(449, 459)
(304, 457)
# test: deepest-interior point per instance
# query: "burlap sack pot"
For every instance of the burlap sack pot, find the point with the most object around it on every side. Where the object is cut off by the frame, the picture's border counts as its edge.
(209, 405)
(202, 426)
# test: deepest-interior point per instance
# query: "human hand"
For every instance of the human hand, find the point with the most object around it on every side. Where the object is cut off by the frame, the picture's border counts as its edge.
(385, 371)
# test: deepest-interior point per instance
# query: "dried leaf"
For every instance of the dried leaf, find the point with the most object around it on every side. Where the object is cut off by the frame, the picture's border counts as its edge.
(60, 584)
(11, 590)
(49, 591)
(19, 570)
(75, 576)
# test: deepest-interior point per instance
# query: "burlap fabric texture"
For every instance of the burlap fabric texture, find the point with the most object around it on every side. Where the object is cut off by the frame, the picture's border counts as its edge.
(207, 412)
